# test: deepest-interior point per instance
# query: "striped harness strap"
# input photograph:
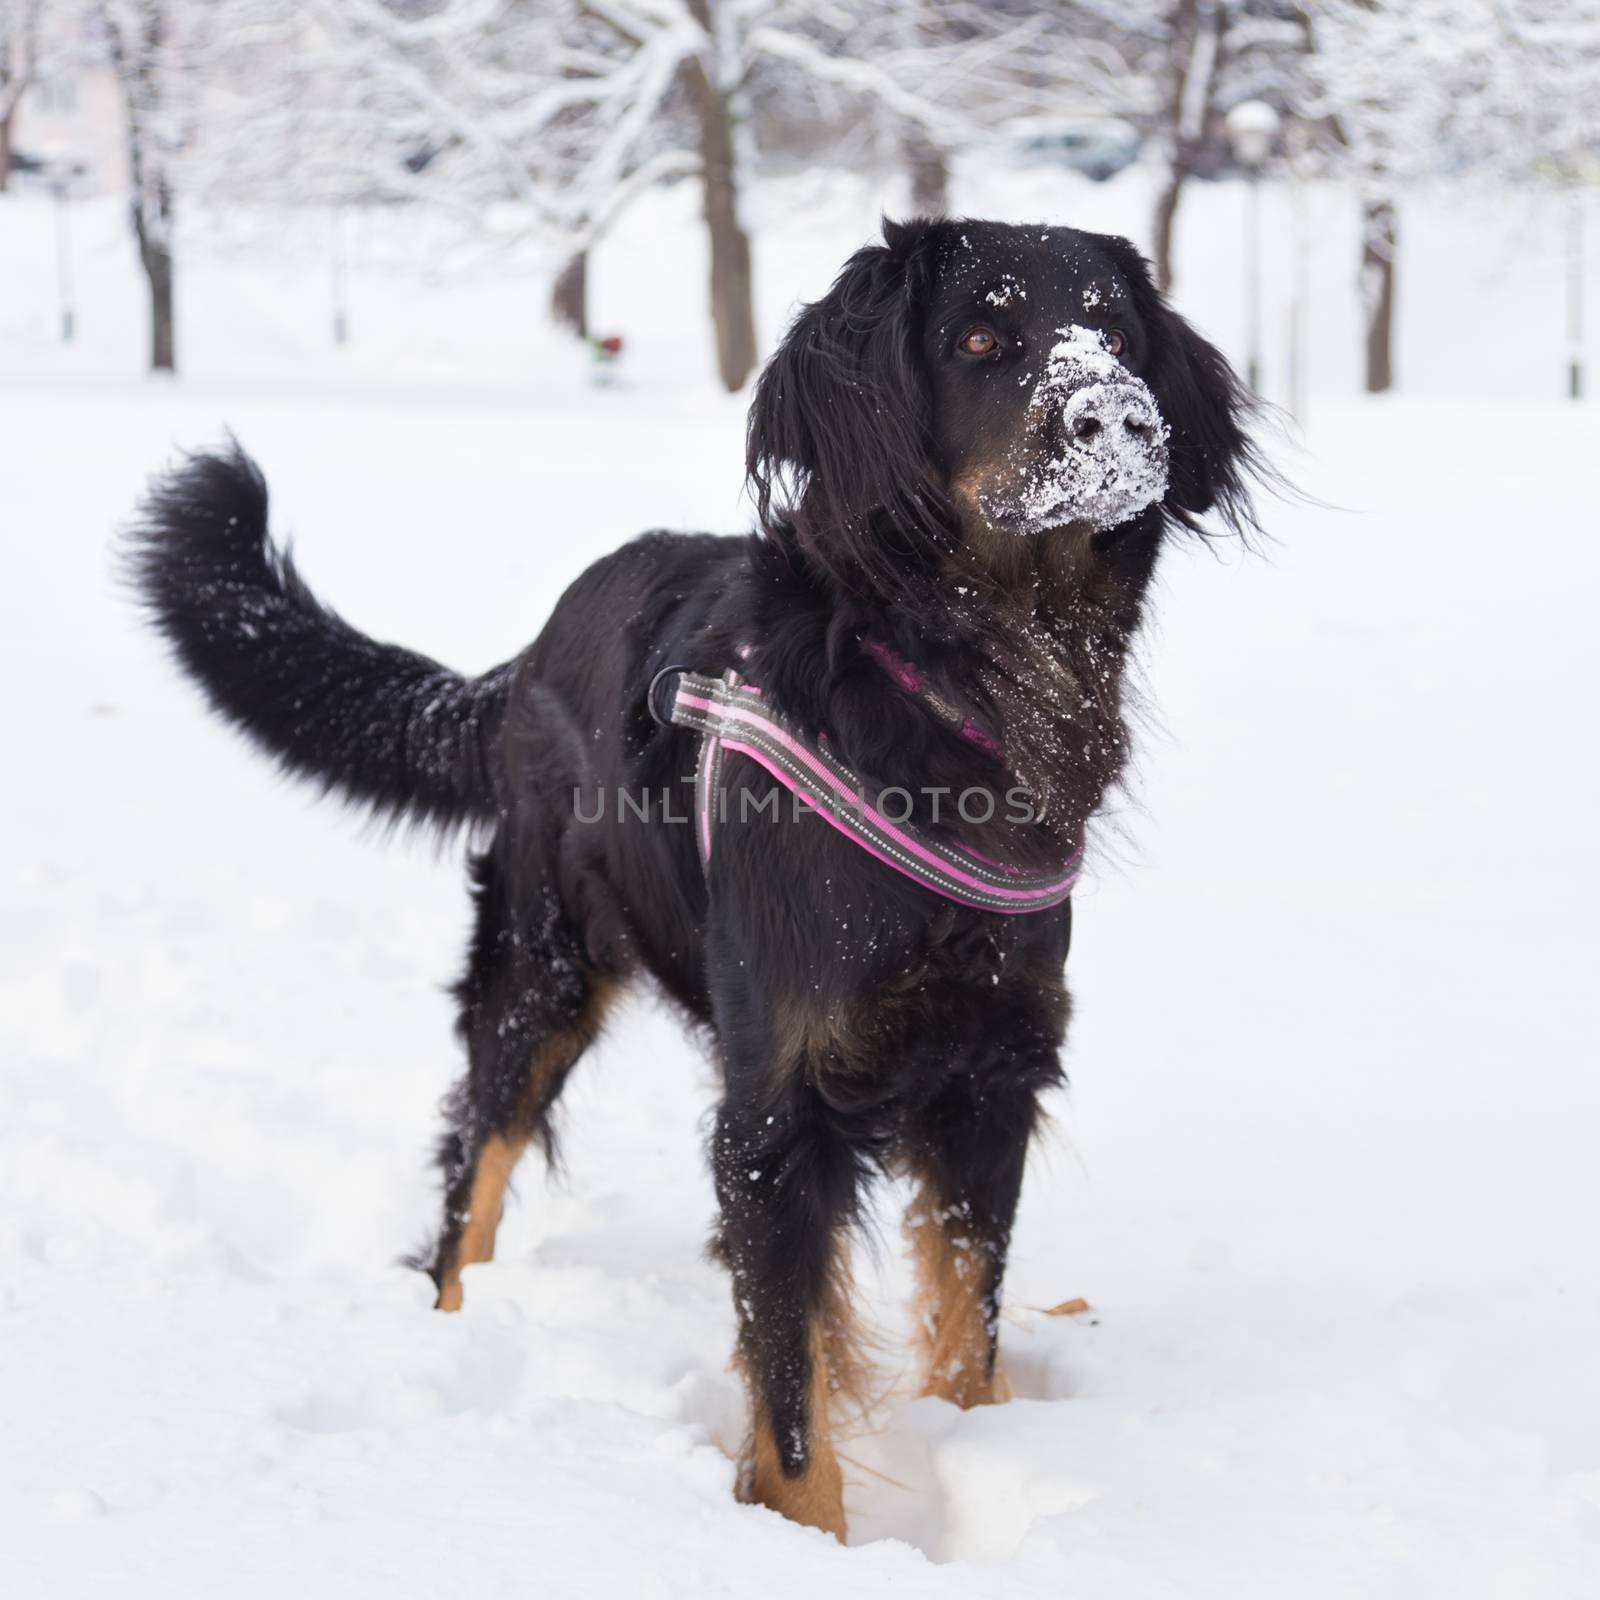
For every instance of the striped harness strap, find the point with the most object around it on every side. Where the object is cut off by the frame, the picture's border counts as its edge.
(730, 716)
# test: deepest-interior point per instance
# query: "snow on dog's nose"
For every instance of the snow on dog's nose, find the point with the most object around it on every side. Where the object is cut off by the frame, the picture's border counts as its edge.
(1107, 454)
(1105, 407)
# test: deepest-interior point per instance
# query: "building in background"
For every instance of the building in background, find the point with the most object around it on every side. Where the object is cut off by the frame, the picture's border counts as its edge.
(70, 120)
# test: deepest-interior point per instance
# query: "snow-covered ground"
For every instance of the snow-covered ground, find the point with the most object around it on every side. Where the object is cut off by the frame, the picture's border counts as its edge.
(1326, 1172)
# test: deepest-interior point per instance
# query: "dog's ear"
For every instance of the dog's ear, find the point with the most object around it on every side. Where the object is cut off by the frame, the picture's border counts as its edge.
(1211, 456)
(839, 442)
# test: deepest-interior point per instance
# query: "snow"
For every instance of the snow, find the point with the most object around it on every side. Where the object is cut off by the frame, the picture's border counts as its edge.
(1325, 1175)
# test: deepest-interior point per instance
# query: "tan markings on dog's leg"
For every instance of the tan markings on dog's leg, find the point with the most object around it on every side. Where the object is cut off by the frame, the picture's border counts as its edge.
(816, 1496)
(557, 1056)
(501, 1152)
(846, 1344)
(953, 1334)
(840, 1374)
(496, 1162)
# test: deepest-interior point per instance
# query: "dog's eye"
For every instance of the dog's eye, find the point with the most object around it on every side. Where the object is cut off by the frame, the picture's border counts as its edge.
(1116, 341)
(978, 342)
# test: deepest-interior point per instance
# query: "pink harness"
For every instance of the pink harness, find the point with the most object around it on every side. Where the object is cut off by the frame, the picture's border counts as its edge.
(730, 716)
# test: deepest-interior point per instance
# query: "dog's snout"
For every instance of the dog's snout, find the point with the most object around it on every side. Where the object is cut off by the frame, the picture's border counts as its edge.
(1101, 409)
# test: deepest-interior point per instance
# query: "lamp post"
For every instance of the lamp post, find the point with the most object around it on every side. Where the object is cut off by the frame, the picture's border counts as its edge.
(1575, 294)
(1295, 146)
(339, 280)
(61, 176)
(1252, 131)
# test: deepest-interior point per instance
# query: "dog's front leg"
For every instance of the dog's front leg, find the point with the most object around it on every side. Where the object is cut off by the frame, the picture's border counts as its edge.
(786, 1179)
(967, 1148)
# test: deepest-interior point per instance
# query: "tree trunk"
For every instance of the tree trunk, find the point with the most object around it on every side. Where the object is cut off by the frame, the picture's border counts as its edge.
(163, 354)
(569, 295)
(156, 258)
(732, 304)
(930, 177)
(732, 294)
(158, 269)
(134, 58)
(5, 148)
(1380, 240)
(1162, 227)
(1196, 30)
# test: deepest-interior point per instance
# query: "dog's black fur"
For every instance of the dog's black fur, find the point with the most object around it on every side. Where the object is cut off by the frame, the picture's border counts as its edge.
(859, 1020)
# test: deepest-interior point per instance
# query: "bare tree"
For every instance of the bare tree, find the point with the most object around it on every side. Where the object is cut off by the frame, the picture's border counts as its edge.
(1173, 68)
(1404, 86)
(1400, 92)
(569, 294)
(709, 76)
(19, 68)
(941, 75)
(141, 38)
(534, 121)
(1192, 61)
(929, 170)
(564, 110)
(1380, 248)
(1207, 56)
(1545, 94)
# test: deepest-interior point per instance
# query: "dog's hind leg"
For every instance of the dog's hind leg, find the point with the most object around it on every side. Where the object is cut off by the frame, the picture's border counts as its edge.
(531, 1004)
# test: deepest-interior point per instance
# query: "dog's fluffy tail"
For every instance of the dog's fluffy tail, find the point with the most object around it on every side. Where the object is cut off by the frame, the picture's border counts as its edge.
(381, 726)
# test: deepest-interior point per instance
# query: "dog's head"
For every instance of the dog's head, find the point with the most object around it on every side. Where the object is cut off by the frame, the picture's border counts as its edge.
(973, 382)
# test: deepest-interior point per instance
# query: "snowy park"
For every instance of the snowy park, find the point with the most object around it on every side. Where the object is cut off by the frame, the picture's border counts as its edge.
(1324, 1177)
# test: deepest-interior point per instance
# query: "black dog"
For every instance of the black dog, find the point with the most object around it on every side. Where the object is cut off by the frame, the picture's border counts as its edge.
(965, 458)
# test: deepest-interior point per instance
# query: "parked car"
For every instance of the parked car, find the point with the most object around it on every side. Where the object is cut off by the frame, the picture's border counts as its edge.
(43, 171)
(1098, 147)
(26, 165)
